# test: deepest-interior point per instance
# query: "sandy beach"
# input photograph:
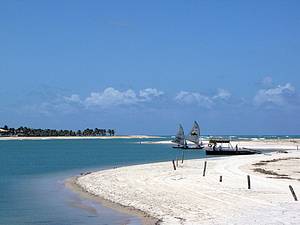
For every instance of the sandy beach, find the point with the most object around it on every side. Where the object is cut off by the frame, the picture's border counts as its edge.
(78, 137)
(72, 185)
(185, 196)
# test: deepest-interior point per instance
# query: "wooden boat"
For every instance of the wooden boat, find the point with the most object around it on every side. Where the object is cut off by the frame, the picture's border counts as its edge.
(188, 147)
(230, 152)
(216, 147)
(180, 139)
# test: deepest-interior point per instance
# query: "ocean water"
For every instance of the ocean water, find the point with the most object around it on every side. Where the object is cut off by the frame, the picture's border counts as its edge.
(32, 175)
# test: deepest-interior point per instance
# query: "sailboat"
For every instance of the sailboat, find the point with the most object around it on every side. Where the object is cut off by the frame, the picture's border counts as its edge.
(194, 136)
(180, 139)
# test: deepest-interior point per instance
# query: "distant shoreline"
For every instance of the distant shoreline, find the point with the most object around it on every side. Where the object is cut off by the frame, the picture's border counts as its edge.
(266, 144)
(3, 138)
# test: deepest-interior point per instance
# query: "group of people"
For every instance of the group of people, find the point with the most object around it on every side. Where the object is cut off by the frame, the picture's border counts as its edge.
(215, 148)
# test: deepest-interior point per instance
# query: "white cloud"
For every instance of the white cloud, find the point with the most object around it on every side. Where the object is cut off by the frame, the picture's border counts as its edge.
(113, 97)
(222, 94)
(200, 99)
(73, 99)
(278, 95)
(149, 93)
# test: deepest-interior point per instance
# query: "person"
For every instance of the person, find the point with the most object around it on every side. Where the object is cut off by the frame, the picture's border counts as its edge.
(236, 147)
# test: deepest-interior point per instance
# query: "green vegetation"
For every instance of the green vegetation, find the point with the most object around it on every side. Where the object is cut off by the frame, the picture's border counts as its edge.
(30, 132)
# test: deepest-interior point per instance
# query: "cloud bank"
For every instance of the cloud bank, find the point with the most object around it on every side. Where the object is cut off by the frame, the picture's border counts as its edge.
(277, 96)
(269, 96)
(112, 97)
(202, 100)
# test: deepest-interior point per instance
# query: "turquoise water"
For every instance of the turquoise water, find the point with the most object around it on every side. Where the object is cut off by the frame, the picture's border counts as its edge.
(32, 175)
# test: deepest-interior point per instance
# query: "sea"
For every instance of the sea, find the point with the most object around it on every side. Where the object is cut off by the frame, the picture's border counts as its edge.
(33, 174)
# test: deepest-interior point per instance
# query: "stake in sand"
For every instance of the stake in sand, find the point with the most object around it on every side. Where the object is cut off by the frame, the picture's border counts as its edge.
(293, 193)
(174, 165)
(204, 169)
(249, 183)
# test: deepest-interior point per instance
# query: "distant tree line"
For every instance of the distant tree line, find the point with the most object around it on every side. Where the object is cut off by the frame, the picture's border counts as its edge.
(30, 132)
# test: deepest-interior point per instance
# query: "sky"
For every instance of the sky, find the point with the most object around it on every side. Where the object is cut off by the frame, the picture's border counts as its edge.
(143, 67)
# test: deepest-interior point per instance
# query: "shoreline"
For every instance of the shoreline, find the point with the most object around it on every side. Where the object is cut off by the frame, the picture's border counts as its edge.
(185, 197)
(270, 144)
(3, 138)
(71, 184)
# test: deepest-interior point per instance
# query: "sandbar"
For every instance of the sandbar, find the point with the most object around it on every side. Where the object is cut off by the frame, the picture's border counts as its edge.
(185, 196)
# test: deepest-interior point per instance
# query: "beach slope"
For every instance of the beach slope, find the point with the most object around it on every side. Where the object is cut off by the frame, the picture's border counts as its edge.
(185, 196)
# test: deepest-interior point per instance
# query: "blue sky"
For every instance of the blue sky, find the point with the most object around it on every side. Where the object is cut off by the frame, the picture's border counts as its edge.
(145, 66)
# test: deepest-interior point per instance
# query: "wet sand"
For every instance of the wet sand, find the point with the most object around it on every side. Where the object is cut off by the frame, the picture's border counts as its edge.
(146, 219)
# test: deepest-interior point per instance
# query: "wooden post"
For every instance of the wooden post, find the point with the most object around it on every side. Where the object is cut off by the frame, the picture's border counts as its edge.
(176, 161)
(249, 183)
(182, 156)
(204, 169)
(220, 178)
(293, 193)
(174, 165)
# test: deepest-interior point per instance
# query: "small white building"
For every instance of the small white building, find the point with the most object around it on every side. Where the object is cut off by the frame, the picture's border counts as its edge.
(3, 132)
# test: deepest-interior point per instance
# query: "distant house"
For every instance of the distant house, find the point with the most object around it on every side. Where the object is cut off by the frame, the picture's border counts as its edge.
(3, 132)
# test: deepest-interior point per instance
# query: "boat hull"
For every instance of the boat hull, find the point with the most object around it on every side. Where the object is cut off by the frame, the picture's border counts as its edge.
(231, 152)
(188, 148)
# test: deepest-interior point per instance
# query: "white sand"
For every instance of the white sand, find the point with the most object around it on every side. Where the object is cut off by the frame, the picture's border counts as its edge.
(77, 137)
(184, 196)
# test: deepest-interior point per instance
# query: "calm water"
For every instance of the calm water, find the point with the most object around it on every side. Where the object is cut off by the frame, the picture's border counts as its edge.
(32, 174)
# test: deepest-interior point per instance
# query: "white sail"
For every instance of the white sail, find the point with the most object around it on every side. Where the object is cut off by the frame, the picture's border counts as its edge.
(194, 135)
(179, 138)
